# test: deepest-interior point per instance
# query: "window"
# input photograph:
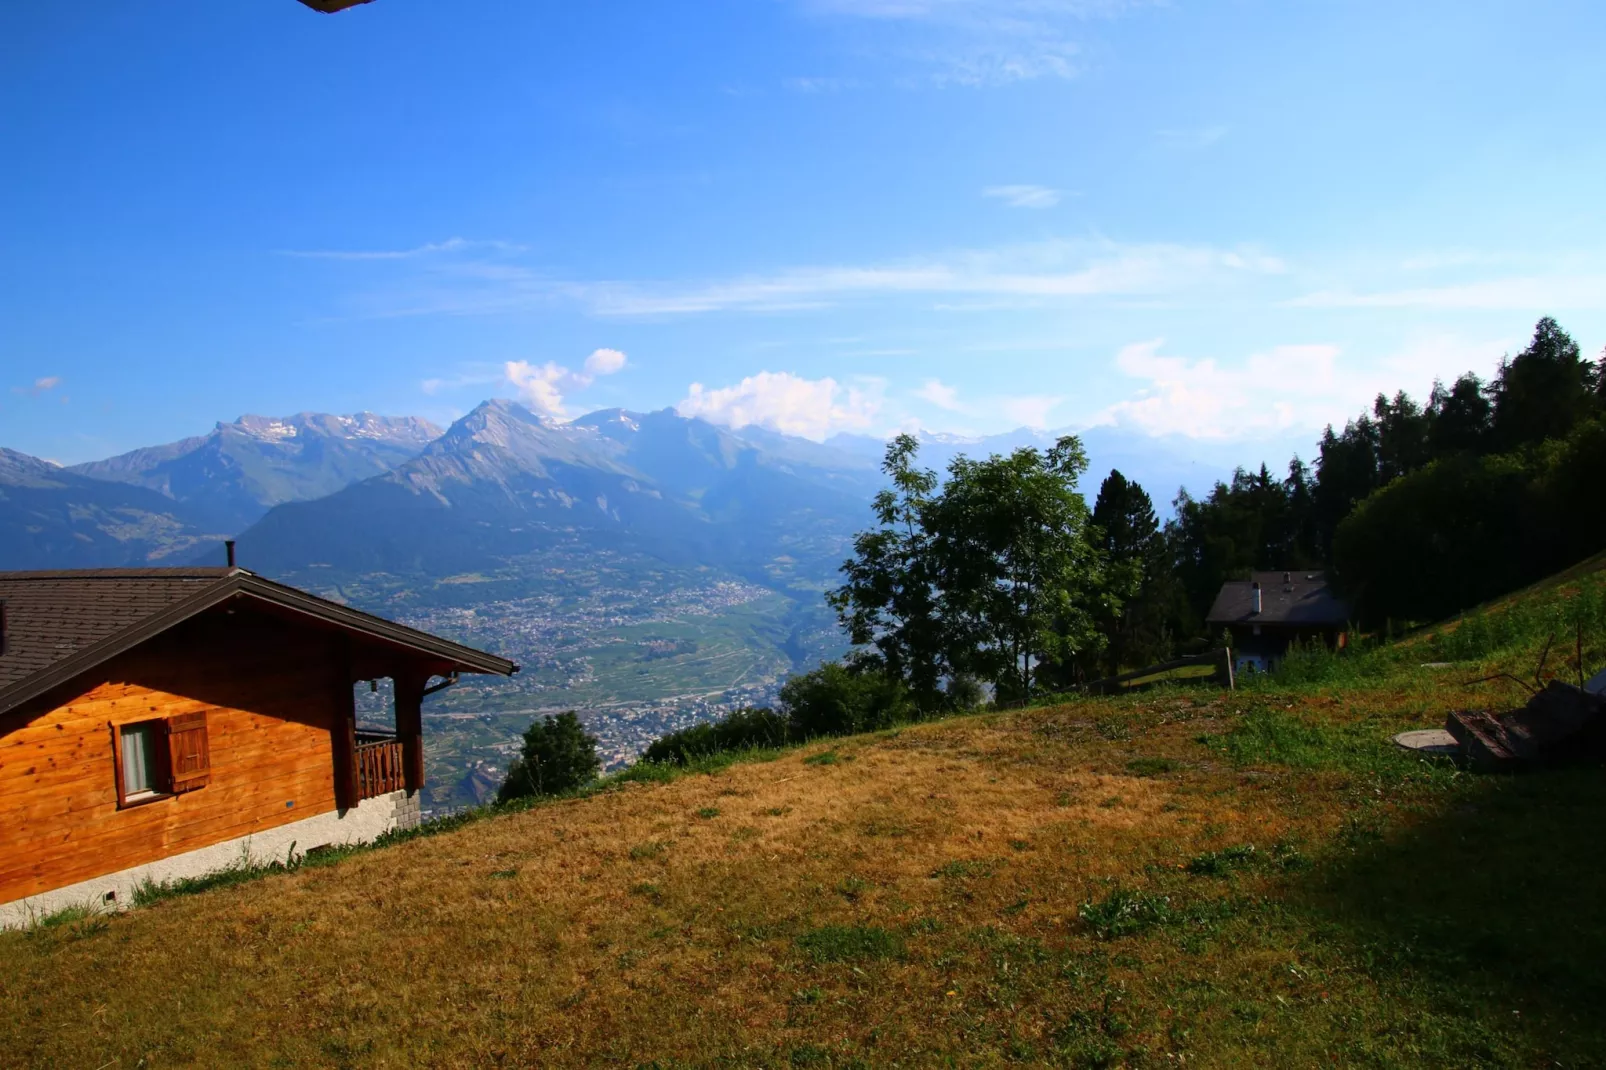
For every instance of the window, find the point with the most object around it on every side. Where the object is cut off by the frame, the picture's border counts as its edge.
(139, 760)
(156, 759)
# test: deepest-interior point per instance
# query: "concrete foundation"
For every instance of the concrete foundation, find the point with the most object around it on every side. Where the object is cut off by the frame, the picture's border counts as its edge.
(367, 821)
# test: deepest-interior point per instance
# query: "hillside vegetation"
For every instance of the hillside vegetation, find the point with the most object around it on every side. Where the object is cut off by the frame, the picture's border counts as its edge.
(1176, 877)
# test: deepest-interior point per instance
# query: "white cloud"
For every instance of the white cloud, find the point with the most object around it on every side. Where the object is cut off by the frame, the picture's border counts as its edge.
(1030, 409)
(939, 394)
(790, 404)
(1270, 392)
(1024, 196)
(604, 362)
(542, 386)
(1286, 388)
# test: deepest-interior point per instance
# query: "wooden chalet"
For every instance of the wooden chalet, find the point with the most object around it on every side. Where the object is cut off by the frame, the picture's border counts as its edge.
(164, 723)
(1269, 611)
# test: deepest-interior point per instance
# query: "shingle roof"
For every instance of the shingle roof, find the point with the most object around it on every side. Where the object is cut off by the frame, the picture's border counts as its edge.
(54, 615)
(1285, 598)
(58, 624)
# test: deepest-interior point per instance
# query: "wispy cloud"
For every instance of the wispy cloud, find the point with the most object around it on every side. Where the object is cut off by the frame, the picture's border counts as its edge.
(1030, 410)
(821, 85)
(40, 386)
(450, 245)
(476, 375)
(1044, 272)
(542, 386)
(939, 394)
(1024, 196)
(1518, 293)
(1053, 271)
(788, 403)
(981, 42)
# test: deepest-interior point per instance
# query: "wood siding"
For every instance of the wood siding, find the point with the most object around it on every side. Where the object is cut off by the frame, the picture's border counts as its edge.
(270, 696)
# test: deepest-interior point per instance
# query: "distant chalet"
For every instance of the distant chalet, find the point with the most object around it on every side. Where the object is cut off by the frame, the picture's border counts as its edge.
(161, 723)
(1269, 611)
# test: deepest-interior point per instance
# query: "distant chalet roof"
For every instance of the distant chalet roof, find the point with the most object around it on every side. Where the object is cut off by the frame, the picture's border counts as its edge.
(61, 623)
(1286, 598)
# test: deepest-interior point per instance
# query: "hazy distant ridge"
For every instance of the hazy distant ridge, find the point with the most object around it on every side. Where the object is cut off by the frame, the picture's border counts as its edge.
(237, 472)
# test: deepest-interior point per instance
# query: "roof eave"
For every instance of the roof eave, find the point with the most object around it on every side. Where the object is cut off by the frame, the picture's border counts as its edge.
(241, 582)
(466, 658)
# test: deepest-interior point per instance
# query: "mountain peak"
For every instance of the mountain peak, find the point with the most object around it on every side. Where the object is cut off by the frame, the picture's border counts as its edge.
(609, 418)
(241, 468)
(399, 430)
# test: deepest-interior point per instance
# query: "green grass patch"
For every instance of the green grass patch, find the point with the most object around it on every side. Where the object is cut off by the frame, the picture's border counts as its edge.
(1125, 913)
(78, 921)
(1225, 861)
(1275, 737)
(851, 943)
(1152, 766)
(828, 757)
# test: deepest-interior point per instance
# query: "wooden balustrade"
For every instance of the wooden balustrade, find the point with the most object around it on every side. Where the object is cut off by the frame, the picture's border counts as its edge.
(379, 768)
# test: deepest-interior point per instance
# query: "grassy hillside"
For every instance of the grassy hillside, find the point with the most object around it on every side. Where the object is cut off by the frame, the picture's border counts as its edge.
(1182, 877)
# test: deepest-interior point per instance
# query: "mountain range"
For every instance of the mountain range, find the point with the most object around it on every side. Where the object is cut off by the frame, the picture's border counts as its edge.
(51, 517)
(502, 487)
(231, 476)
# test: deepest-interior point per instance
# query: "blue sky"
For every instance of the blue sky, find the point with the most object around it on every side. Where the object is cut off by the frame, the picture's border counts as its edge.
(1220, 222)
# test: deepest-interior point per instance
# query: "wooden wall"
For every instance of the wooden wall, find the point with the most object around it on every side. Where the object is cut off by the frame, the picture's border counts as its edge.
(270, 692)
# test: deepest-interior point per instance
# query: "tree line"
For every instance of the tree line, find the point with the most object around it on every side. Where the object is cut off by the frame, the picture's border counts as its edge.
(1419, 510)
(998, 573)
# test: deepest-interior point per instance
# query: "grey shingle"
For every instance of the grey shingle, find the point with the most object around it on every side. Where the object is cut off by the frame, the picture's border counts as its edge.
(1302, 598)
(59, 624)
(51, 616)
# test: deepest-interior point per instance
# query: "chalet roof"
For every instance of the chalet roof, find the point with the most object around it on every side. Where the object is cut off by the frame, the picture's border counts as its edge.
(61, 623)
(1286, 598)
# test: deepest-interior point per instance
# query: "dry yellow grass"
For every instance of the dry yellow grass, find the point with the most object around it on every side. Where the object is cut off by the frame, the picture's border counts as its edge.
(912, 902)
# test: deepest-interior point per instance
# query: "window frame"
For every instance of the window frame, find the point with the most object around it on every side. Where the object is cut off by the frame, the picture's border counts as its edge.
(158, 729)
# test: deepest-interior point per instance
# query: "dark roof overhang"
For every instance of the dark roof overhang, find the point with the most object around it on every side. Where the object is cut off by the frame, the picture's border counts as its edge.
(240, 585)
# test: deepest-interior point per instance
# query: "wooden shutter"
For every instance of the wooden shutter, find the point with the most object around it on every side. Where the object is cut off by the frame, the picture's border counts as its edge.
(188, 755)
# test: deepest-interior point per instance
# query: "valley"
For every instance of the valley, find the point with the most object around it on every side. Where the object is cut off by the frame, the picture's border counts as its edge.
(647, 570)
(638, 652)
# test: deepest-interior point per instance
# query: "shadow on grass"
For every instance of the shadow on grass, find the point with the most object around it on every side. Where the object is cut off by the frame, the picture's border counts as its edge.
(1495, 902)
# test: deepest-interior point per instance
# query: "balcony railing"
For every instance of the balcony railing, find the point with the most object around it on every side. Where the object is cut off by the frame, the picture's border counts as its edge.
(379, 765)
